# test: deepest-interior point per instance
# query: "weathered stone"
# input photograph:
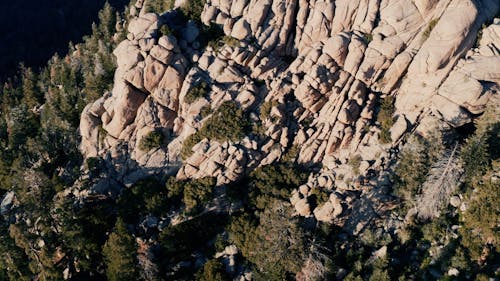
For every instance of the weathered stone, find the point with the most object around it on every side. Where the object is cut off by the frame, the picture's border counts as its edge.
(303, 208)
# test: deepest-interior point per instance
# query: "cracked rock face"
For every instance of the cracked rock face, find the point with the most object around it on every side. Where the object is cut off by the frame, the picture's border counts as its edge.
(319, 68)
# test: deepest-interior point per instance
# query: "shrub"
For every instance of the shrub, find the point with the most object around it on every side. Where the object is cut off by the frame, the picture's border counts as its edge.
(209, 35)
(379, 274)
(205, 111)
(273, 182)
(156, 204)
(159, 6)
(220, 242)
(199, 91)
(193, 9)
(480, 220)
(151, 141)
(259, 82)
(193, 193)
(165, 30)
(416, 159)
(174, 188)
(178, 241)
(145, 196)
(276, 246)
(213, 270)
(307, 122)
(265, 109)
(355, 163)
(119, 254)
(291, 154)
(479, 36)
(368, 37)
(189, 142)
(101, 133)
(231, 41)
(197, 192)
(94, 166)
(258, 130)
(386, 119)
(429, 28)
(480, 158)
(321, 196)
(228, 123)
(219, 42)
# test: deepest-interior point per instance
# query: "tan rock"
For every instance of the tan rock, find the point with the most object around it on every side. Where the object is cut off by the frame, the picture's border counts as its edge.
(127, 55)
(483, 68)
(336, 47)
(127, 103)
(329, 210)
(161, 54)
(237, 8)
(89, 125)
(135, 76)
(399, 128)
(153, 73)
(302, 207)
(241, 29)
(146, 44)
(450, 112)
(144, 26)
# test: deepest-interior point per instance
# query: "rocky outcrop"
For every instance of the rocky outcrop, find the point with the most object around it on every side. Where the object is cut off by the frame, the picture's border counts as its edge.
(308, 74)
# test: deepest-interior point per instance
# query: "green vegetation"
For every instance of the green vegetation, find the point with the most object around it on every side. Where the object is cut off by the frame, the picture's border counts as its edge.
(159, 6)
(429, 28)
(386, 118)
(89, 223)
(273, 182)
(213, 270)
(197, 193)
(368, 37)
(415, 163)
(355, 163)
(479, 36)
(102, 133)
(152, 140)
(276, 253)
(473, 247)
(227, 123)
(481, 158)
(119, 254)
(189, 143)
(197, 92)
(320, 196)
(193, 193)
(231, 41)
(178, 241)
(205, 111)
(210, 35)
(145, 196)
(193, 9)
(268, 237)
(165, 30)
(219, 42)
(265, 109)
(39, 157)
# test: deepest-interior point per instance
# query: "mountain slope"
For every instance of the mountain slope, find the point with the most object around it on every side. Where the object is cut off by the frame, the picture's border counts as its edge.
(259, 140)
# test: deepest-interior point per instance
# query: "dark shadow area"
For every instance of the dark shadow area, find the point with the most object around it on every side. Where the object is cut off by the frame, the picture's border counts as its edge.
(33, 30)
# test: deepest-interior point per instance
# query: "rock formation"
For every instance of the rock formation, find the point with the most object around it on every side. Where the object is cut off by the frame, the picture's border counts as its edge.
(309, 73)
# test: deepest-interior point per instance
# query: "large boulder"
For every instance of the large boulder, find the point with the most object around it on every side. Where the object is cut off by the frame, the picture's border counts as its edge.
(126, 103)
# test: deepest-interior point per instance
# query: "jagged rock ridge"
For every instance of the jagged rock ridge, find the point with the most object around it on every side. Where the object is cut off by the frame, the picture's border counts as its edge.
(321, 67)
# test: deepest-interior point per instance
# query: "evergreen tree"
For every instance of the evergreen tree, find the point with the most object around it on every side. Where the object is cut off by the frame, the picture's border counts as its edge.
(120, 254)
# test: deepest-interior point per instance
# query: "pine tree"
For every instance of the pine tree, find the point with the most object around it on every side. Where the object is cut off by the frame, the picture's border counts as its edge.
(120, 254)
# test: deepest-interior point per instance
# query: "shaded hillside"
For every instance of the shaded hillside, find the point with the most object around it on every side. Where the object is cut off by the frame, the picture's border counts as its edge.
(33, 30)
